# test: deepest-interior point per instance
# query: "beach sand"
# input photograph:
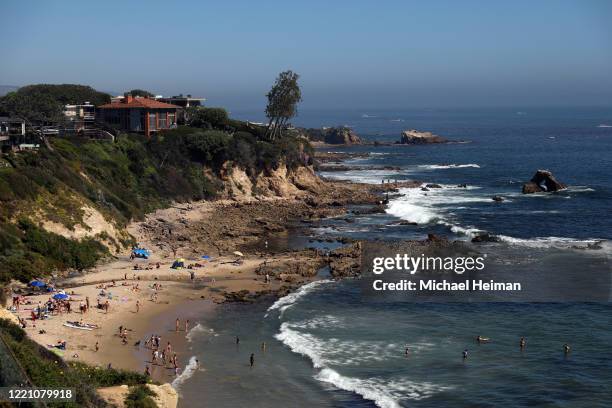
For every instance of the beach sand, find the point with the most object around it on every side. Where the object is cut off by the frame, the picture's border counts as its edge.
(214, 228)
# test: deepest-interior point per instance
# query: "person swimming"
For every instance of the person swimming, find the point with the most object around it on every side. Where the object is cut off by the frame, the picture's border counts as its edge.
(481, 339)
(522, 343)
(566, 349)
(465, 354)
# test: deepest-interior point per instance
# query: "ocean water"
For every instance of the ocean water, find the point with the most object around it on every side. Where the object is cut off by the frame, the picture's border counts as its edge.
(327, 346)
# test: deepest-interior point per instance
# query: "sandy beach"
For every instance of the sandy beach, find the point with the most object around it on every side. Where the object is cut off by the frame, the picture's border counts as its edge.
(146, 296)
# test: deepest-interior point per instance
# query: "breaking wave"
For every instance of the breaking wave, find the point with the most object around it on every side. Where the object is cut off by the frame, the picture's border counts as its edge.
(188, 372)
(197, 330)
(286, 302)
(448, 166)
(323, 354)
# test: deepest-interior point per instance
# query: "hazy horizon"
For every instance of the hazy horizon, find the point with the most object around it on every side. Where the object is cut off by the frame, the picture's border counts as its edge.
(356, 55)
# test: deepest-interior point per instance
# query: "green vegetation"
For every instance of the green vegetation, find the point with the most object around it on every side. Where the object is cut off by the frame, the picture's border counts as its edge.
(46, 369)
(39, 105)
(123, 180)
(282, 102)
(140, 397)
(207, 118)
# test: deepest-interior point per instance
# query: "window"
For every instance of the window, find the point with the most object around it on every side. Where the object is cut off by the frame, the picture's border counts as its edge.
(161, 122)
(152, 124)
(171, 119)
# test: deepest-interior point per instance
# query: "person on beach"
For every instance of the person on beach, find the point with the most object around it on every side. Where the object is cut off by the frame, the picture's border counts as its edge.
(137, 306)
(176, 325)
(168, 348)
(147, 371)
(252, 360)
(97, 347)
(465, 354)
(522, 343)
(186, 325)
(237, 340)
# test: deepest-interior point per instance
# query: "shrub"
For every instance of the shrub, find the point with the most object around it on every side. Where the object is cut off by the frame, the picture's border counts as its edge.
(140, 397)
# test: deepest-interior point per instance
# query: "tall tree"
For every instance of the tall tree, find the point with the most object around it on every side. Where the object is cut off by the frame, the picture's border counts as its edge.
(282, 102)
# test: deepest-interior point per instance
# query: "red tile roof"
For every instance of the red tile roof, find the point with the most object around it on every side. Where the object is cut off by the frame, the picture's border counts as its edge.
(139, 103)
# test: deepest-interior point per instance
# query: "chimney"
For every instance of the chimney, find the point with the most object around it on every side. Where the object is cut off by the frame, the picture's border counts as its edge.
(128, 98)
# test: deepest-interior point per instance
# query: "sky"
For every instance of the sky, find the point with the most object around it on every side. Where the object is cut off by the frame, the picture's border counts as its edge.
(349, 54)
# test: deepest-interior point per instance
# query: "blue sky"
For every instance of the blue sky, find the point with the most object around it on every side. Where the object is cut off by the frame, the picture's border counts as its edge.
(350, 54)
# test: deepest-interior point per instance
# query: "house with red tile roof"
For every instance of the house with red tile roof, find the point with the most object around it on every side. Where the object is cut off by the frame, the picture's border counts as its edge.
(138, 114)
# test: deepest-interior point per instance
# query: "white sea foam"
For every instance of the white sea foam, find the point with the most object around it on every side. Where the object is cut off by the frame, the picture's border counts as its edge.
(362, 176)
(188, 372)
(604, 126)
(286, 302)
(324, 353)
(424, 207)
(197, 330)
(364, 388)
(448, 166)
(549, 242)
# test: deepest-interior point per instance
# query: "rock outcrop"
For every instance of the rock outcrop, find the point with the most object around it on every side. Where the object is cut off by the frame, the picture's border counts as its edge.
(416, 137)
(542, 181)
(341, 135)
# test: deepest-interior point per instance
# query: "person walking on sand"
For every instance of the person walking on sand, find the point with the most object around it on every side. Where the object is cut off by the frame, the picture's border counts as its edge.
(137, 306)
(97, 347)
(252, 360)
(147, 371)
(87, 302)
(186, 325)
(176, 325)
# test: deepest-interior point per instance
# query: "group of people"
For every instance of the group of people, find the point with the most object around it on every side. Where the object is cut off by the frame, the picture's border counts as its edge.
(148, 267)
(161, 355)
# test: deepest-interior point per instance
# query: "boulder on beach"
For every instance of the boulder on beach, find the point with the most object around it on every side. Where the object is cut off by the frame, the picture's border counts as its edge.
(416, 137)
(542, 181)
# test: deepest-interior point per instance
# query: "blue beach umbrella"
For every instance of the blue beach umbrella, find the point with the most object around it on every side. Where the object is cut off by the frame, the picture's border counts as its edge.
(60, 296)
(38, 284)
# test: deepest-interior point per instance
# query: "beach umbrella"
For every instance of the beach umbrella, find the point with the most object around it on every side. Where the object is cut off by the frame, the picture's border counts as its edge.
(60, 296)
(38, 284)
(238, 253)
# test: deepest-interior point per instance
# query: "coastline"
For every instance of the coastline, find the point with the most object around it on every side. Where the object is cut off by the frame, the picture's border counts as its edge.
(214, 228)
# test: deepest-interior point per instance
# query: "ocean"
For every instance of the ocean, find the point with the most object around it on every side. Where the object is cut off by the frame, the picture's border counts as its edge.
(327, 346)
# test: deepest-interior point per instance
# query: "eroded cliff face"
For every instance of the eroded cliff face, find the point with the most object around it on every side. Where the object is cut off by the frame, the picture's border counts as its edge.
(275, 183)
(93, 224)
(88, 222)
